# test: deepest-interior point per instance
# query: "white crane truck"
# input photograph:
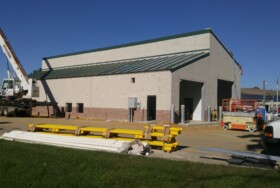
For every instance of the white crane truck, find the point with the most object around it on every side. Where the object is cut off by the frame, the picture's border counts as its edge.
(17, 91)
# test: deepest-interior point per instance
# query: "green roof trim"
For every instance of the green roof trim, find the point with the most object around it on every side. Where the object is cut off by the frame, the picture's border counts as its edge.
(160, 63)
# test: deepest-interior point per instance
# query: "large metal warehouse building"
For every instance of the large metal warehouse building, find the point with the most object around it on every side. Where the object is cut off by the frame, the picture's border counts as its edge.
(194, 69)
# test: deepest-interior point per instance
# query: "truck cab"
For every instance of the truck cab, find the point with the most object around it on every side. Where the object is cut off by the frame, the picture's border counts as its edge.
(10, 88)
(7, 88)
(271, 138)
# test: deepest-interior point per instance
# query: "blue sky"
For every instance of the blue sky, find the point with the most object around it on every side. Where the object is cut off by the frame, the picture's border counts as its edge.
(249, 28)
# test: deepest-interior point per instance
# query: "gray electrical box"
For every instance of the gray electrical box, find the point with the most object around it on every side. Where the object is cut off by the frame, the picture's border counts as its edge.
(139, 105)
(132, 102)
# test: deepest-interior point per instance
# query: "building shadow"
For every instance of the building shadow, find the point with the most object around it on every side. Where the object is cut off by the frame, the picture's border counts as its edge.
(256, 139)
(256, 146)
(56, 110)
(5, 122)
(182, 147)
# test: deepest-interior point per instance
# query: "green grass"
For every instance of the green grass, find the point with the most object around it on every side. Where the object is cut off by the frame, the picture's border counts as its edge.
(30, 165)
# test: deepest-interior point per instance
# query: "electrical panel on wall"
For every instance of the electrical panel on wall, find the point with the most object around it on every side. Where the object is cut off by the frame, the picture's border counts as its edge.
(132, 102)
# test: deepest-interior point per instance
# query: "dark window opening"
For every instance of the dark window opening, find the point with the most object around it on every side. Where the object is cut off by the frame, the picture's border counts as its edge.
(132, 80)
(224, 91)
(188, 102)
(151, 107)
(68, 107)
(80, 107)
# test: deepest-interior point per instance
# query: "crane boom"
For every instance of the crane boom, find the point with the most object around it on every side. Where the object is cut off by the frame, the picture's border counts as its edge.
(12, 58)
(17, 94)
(22, 85)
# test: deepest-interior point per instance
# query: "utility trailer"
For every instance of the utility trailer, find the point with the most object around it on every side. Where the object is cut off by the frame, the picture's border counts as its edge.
(16, 107)
(242, 114)
(23, 107)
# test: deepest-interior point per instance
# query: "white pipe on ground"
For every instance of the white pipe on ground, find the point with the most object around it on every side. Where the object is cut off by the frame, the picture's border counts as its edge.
(69, 141)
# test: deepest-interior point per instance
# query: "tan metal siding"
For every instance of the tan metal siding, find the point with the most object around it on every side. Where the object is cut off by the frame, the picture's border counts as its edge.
(224, 67)
(112, 91)
(189, 43)
(219, 65)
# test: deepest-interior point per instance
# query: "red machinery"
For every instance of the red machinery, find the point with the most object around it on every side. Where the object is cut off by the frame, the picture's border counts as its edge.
(242, 114)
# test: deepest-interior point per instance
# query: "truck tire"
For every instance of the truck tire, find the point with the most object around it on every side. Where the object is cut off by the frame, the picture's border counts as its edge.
(6, 111)
(226, 127)
(251, 129)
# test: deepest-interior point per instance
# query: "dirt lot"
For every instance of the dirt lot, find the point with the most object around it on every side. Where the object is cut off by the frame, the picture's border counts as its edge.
(191, 141)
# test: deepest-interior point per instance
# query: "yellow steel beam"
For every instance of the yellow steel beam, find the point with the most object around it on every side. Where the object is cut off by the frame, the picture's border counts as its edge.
(52, 127)
(173, 130)
(165, 146)
(167, 134)
(135, 133)
(159, 134)
(91, 130)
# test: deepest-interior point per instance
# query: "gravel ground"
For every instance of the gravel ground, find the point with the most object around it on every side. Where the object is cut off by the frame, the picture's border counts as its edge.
(191, 141)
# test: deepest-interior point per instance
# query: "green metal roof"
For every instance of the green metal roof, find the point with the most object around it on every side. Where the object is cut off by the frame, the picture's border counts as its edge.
(160, 63)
